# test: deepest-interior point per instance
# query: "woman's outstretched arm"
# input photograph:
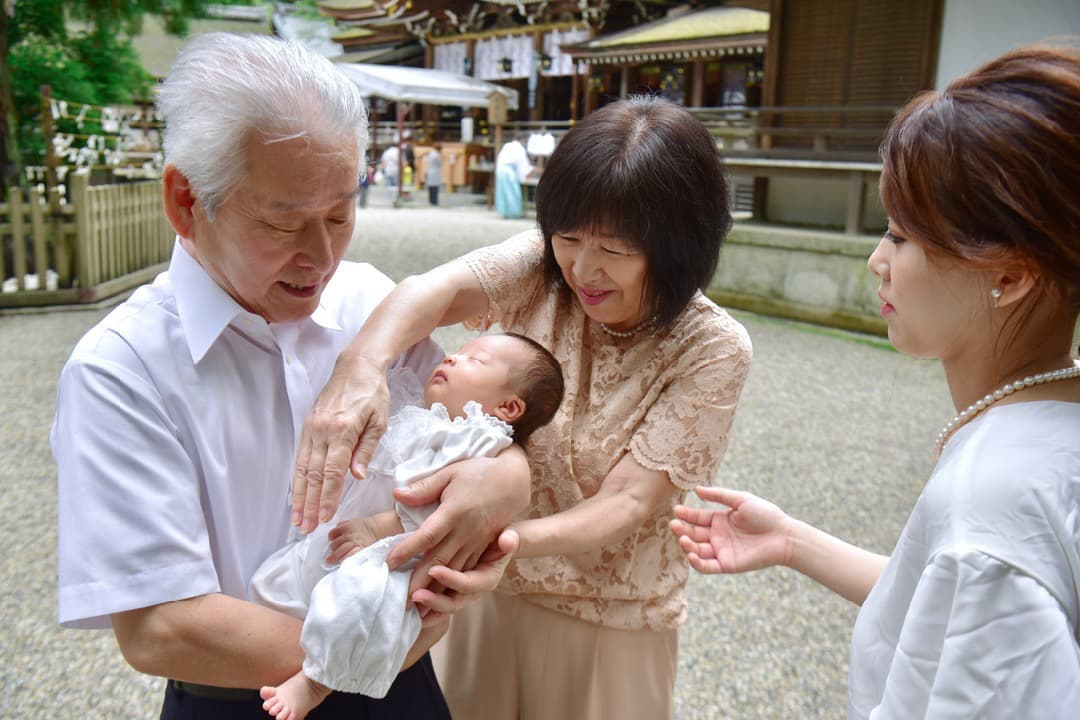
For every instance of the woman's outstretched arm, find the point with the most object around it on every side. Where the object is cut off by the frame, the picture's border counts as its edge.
(749, 533)
(349, 416)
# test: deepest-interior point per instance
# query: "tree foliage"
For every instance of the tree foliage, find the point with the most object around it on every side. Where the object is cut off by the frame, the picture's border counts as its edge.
(82, 49)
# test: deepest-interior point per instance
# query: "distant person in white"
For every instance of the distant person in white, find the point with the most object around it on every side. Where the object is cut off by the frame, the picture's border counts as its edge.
(360, 623)
(512, 166)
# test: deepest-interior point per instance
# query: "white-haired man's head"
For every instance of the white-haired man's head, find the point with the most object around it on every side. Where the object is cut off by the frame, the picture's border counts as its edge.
(224, 88)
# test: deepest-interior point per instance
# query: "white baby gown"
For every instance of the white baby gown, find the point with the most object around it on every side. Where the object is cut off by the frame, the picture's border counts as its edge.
(359, 623)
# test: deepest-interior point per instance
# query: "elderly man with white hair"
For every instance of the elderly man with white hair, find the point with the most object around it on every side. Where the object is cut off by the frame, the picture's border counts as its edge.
(179, 414)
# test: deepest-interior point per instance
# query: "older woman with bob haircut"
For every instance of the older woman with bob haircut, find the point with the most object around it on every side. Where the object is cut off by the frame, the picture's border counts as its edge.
(632, 209)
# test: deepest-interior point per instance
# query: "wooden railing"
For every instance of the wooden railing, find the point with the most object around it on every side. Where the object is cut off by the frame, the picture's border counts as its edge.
(100, 241)
(827, 142)
(847, 132)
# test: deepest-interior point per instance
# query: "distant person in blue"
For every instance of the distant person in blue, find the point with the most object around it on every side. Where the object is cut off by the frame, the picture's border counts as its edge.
(389, 164)
(512, 166)
(367, 177)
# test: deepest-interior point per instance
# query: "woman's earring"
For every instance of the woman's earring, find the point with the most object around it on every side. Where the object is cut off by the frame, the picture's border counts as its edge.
(996, 294)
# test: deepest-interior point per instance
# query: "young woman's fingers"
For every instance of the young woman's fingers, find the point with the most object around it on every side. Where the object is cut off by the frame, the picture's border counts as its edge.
(724, 496)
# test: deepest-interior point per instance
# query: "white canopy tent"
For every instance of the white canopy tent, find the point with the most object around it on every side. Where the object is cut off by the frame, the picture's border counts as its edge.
(422, 85)
(408, 85)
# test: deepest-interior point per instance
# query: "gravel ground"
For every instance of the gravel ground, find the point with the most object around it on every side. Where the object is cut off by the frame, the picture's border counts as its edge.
(834, 427)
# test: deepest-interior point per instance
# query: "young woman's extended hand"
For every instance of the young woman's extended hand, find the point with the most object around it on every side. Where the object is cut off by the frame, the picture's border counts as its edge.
(748, 534)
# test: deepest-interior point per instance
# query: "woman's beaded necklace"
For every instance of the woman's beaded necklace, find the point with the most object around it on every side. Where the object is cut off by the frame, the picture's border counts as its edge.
(631, 331)
(977, 408)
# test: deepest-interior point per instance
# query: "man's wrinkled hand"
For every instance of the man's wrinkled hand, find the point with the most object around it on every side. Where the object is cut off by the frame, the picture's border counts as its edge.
(339, 433)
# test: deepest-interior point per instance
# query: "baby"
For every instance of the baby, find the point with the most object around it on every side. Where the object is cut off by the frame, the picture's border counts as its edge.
(360, 624)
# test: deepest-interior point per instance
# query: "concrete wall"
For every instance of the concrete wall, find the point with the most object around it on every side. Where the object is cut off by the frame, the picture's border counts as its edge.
(974, 31)
(819, 202)
(814, 276)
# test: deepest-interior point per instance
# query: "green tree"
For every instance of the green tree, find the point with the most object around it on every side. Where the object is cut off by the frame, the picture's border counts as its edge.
(95, 64)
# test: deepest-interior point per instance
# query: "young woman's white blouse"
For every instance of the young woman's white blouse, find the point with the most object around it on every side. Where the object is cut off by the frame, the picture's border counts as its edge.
(976, 614)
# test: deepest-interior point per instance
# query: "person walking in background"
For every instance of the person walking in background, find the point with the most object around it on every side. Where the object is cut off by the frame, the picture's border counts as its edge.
(390, 165)
(433, 173)
(367, 178)
(408, 167)
(512, 166)
(976, 613)
(633, 209)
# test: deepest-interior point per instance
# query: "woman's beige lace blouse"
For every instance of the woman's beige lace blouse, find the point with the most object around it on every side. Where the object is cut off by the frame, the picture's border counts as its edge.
(668, 397)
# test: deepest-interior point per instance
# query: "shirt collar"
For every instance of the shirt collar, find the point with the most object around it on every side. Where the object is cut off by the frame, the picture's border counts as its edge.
(205, 309)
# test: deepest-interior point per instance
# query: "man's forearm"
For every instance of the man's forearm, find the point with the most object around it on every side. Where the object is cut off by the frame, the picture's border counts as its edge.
(213, 640)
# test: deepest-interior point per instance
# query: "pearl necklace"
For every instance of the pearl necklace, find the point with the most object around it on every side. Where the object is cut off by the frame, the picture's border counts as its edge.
(631, 331)
(966, 416)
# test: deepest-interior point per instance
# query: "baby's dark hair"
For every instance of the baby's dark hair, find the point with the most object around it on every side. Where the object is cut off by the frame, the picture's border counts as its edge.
(540, 387)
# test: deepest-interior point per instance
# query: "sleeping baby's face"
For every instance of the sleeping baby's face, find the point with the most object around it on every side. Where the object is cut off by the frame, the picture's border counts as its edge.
(482, 371)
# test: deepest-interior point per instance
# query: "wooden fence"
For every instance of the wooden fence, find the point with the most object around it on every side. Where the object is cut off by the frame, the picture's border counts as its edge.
(100, 241)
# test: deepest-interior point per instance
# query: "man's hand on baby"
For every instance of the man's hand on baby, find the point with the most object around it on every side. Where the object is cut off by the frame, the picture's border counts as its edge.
(351, 536)
(339, 434)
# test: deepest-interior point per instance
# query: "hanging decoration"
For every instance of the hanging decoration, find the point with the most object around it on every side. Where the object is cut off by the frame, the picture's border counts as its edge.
(104, 137)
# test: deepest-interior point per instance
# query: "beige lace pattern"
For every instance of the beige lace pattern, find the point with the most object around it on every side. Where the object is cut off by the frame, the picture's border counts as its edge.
(667, 397)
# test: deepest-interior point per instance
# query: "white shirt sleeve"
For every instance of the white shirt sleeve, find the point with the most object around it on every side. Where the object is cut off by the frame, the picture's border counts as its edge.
(123, 469)
(982, 639)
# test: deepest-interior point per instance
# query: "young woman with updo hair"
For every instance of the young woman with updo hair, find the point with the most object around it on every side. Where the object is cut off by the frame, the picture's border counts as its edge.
(976, 613)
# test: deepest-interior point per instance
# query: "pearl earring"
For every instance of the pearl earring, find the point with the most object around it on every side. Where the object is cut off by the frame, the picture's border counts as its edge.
(996, 294)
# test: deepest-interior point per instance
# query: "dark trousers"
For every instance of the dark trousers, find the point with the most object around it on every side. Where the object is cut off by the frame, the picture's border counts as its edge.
(414, 695)
(433, 194)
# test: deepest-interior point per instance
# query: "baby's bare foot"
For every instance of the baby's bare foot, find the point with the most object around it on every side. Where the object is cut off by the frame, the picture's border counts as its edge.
(294, 698)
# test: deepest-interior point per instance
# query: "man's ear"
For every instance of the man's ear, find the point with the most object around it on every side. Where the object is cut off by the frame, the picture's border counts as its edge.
(179, 201)
(1015, 282)
(510, 410)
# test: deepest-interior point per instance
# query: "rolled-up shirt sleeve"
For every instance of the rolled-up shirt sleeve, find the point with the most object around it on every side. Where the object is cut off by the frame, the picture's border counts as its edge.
(982, 639)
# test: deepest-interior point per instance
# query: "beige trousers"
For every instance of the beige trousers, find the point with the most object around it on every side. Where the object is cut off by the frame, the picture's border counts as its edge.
(506, 659)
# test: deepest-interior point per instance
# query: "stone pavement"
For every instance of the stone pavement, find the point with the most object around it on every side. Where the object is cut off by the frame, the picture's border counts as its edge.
(835, 428)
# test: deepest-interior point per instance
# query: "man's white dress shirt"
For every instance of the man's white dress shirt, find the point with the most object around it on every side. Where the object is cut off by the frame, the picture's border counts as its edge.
(177, 422)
